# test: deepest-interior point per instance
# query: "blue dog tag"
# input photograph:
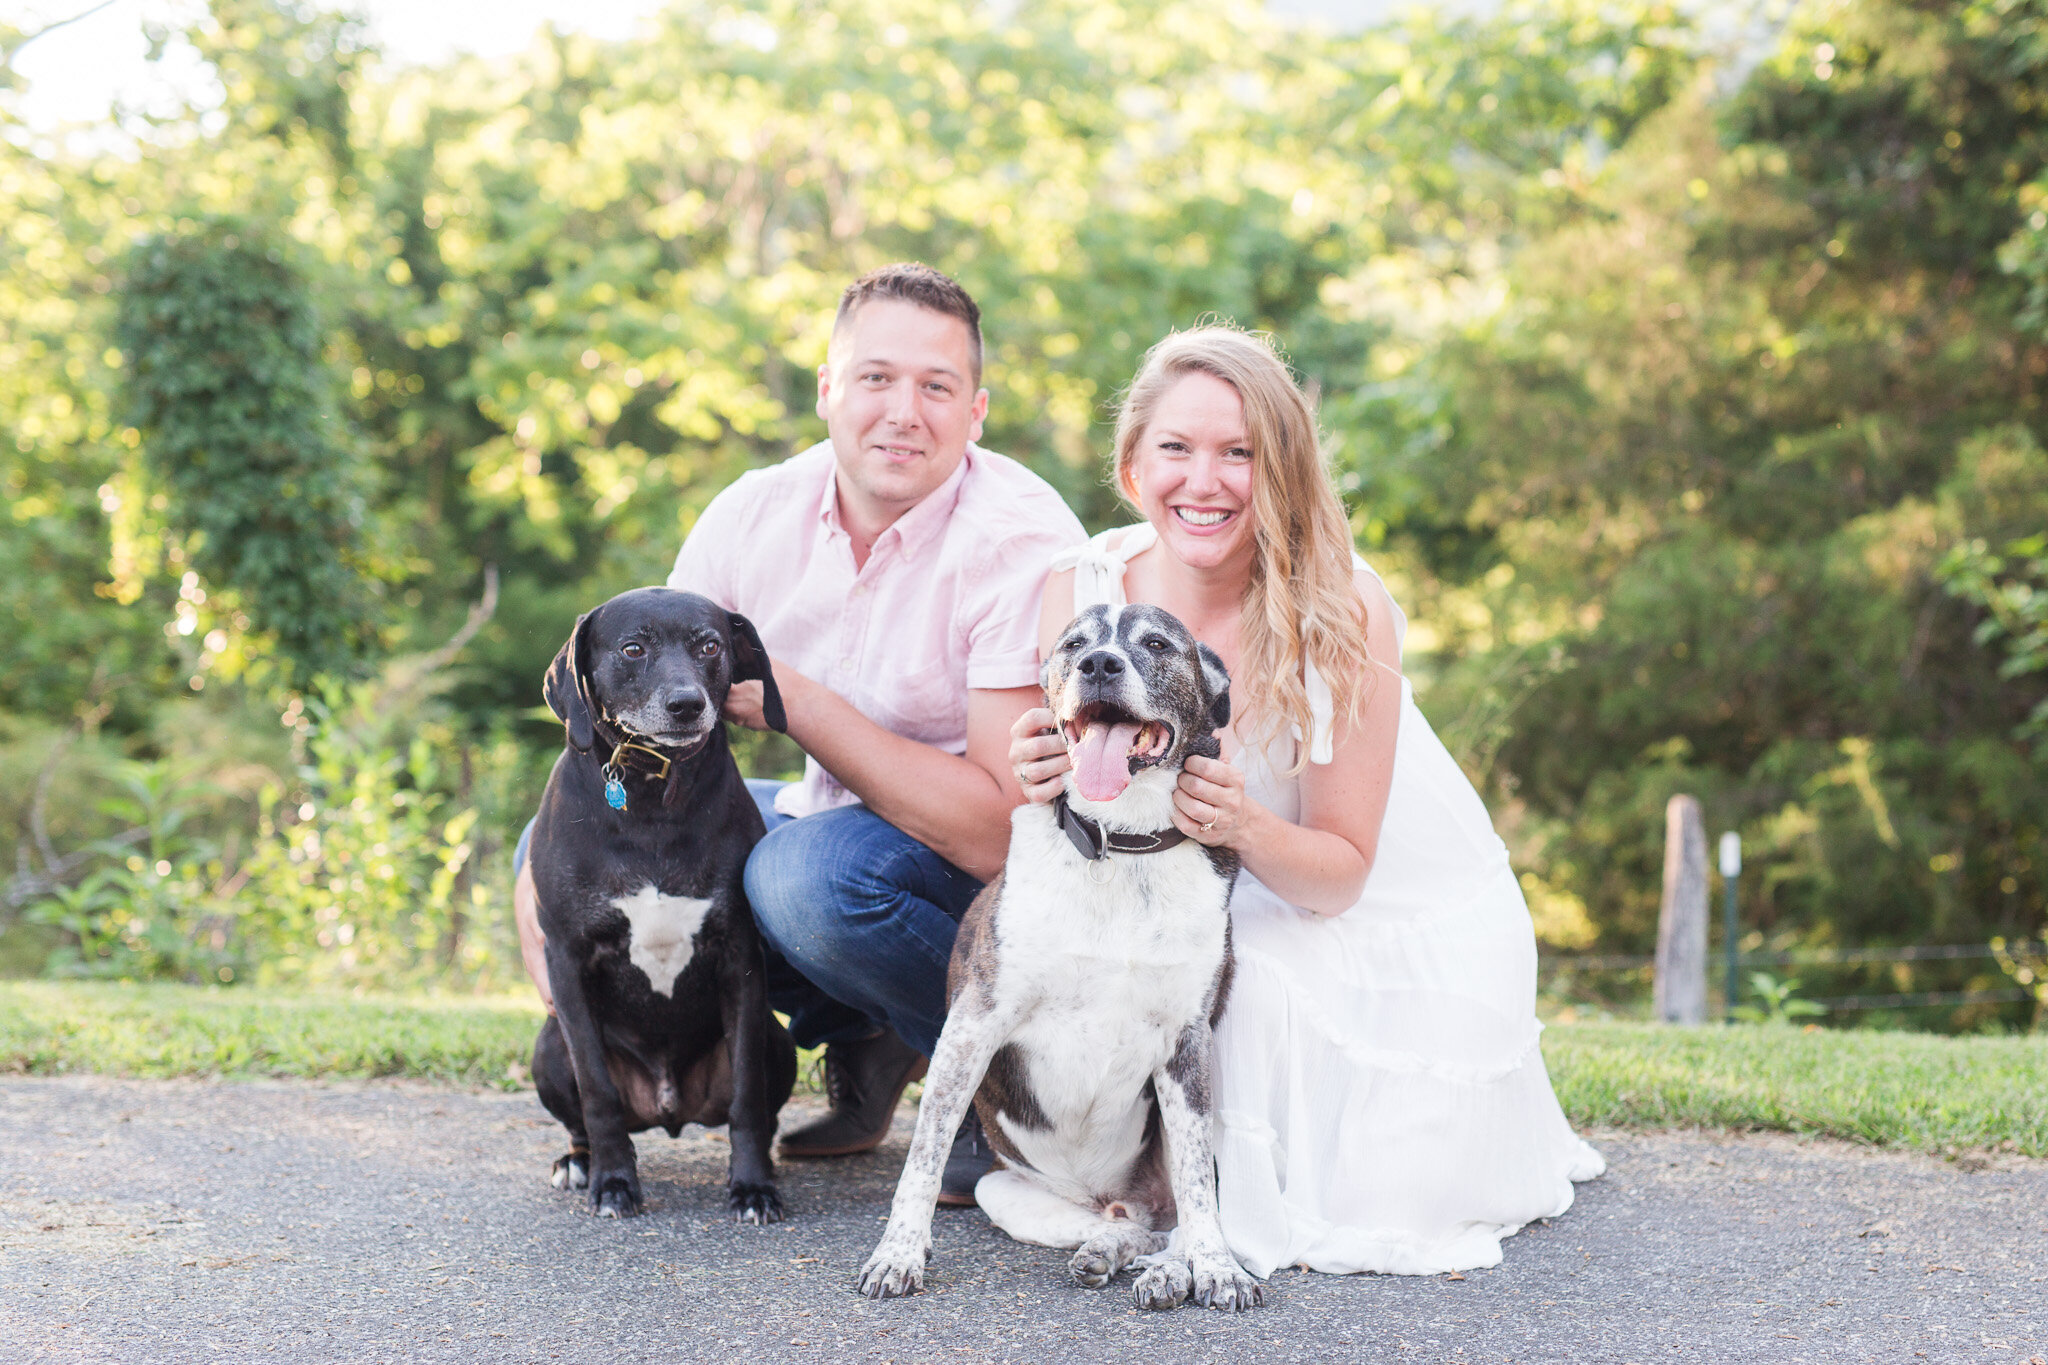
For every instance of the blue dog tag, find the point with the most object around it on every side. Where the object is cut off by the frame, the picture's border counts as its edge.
(615, 793)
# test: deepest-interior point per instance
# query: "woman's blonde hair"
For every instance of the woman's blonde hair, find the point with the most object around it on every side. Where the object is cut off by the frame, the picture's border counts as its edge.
(1301, 603)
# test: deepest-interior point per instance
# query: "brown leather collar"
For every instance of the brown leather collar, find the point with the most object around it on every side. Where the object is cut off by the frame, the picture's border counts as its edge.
(1094, 842)
(658, 764)
(643, 758)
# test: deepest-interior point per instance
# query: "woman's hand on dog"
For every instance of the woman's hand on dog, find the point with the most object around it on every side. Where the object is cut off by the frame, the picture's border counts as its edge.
(1209, 805)
(1038, 756)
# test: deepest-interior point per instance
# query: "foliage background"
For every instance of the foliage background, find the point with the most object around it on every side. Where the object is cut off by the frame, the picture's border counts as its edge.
(1689, 395)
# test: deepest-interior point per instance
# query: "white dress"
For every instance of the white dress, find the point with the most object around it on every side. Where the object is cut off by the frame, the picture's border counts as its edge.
(1382, 1103)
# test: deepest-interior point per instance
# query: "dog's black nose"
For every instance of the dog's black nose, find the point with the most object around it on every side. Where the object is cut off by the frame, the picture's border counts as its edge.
(1101, 663)
(684, 705)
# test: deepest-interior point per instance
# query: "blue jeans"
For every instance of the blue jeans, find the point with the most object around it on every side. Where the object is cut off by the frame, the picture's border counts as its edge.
(858, 920)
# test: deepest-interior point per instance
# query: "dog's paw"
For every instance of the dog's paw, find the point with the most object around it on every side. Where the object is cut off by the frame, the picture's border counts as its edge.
(895, 1270)
(1164, 1284)
(1103, 1257)
(753, 1203)
(1220, 1283)
(1094, 1265)
(615, 1196)
(571, 1171)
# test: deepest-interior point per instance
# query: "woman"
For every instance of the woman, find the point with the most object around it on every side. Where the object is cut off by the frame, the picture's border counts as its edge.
(1382, 1104)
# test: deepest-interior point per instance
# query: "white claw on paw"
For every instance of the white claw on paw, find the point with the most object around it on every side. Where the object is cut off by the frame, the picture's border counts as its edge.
(896, 1268)
(880, 1279)
(1222, 1285)
(1164, 1285)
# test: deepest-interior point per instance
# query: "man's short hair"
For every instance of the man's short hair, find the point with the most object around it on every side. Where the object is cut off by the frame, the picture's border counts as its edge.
(915, 282)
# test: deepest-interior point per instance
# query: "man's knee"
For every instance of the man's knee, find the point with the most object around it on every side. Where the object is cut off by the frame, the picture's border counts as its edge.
(815, 883)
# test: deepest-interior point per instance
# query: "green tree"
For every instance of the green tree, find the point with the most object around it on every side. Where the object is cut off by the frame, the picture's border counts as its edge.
(1686, 496)
(232, 403)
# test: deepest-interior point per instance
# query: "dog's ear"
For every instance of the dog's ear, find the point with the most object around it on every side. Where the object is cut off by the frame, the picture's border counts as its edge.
(750, 664)
(567, 688)
(1048, 675)
(1217, 679)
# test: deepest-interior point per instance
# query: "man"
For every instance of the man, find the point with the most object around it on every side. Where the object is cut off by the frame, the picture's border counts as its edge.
(894, 572)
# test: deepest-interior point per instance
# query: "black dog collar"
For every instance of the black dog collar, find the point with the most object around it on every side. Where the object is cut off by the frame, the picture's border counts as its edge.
(1095, 843)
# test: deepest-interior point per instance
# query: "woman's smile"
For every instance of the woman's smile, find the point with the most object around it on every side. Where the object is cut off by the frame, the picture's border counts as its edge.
(1192, 472)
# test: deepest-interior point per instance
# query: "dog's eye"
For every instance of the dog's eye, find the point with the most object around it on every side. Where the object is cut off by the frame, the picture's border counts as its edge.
(633, 649)
(708, 650)
(1158, 644)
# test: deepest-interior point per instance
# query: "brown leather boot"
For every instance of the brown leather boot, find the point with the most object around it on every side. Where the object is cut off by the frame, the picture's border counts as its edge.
(863, 1080)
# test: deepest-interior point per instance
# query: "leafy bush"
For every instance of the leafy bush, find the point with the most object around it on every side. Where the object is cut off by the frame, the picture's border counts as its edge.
(377, 865)
(157, 907)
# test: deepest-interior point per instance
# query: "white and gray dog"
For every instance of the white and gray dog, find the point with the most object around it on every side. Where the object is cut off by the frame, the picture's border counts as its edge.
(1083, 986)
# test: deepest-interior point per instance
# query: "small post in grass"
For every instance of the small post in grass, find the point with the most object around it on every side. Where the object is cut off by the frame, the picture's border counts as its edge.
(1681, 989)
(1731, 869)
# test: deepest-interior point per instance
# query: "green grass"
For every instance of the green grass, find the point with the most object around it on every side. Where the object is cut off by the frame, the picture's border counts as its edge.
(1891, 1089)
(48, 1028)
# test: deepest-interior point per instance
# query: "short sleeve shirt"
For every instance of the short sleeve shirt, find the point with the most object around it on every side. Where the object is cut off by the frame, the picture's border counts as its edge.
(947, 601)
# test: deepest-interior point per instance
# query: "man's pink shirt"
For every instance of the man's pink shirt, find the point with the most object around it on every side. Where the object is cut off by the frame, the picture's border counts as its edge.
(947, 601)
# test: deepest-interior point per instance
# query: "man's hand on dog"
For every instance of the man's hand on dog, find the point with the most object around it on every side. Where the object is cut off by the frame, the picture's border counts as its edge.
(1209, 803)
(743, 705)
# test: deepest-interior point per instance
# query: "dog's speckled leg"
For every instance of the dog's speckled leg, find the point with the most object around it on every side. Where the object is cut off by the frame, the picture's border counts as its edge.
(971, 1036)
(1214, 1278)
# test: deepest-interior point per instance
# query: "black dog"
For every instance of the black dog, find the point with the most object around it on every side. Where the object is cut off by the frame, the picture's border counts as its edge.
(661, 1016)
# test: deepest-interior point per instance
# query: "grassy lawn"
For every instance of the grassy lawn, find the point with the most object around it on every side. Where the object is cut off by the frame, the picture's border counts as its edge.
(1892, 1089)
(49, 1027)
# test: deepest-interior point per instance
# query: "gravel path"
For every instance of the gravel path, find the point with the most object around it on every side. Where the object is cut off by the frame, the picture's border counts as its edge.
(205, 1222)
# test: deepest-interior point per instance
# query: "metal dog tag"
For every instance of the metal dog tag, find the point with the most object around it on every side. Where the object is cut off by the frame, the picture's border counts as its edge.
(614, 790)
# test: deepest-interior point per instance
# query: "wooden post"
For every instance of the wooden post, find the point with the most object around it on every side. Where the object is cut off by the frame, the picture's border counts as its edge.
(1681, 994)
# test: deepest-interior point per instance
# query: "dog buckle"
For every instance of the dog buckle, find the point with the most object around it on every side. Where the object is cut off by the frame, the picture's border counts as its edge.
(614, 788)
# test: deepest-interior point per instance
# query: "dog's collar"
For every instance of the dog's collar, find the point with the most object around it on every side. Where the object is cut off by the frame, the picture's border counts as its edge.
(1094, 842)
(643, 758)
(660, 764)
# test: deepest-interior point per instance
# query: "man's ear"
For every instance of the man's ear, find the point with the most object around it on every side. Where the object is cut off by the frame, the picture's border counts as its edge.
(567, 688)
(1217, 679)
(750, 664)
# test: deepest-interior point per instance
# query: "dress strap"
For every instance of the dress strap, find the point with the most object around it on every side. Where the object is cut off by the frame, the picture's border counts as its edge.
(1099, 568)
(1322, 706)
(1322, 715)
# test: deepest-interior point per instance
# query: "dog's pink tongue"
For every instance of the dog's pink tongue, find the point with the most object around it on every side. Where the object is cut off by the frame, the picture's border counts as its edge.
(1102, 767)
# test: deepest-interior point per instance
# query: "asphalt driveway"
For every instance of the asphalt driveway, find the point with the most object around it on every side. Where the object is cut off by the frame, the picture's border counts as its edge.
(207, 1222)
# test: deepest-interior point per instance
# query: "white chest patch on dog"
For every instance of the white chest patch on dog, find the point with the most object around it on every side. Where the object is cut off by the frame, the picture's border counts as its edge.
(664, 933)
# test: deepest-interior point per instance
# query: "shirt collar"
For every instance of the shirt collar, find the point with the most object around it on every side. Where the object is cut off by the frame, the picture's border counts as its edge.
(916, 528)
(923, 524)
